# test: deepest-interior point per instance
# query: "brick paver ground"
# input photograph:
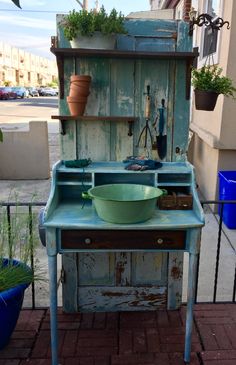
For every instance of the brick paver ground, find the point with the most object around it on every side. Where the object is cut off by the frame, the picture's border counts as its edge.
(125, 338)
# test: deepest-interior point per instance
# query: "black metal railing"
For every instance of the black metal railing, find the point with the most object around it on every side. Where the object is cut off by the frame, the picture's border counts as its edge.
(33, 225)
(221, 204)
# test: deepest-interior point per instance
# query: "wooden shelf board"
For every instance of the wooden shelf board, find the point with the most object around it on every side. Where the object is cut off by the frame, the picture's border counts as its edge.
(94, 118)
(82, 52)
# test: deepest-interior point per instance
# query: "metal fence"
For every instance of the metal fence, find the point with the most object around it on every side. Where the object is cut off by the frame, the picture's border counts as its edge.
(32, 209)
(222, 205)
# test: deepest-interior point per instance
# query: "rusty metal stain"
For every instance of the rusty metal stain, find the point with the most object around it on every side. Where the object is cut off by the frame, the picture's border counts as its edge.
(113, 294)
(119, 271)
(174, 35)
(176, 273)
(150, 300)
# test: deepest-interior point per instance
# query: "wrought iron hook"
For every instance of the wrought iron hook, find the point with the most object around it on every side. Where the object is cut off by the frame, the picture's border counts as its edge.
(207, 20)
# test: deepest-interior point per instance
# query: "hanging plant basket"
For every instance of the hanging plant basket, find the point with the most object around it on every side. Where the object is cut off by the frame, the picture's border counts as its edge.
(205, 100)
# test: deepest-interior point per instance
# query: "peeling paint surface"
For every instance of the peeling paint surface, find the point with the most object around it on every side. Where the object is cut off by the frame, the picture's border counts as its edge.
(124, 280)
(110, 299)
(176, 272)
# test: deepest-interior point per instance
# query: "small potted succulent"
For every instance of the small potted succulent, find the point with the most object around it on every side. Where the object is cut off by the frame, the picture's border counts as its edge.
(93, 29)
(208, 83)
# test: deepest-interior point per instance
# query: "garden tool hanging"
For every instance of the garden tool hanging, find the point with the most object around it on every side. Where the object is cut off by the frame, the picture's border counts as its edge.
(146, 129)
(161, 138)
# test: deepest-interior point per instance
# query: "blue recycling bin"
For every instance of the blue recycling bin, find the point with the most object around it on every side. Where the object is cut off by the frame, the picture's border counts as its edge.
(227, 191)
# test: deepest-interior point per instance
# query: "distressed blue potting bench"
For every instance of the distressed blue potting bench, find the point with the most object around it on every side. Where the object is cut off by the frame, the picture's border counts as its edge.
(107, 266)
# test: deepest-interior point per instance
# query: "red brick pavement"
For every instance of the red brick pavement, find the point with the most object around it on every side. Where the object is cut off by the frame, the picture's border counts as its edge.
(125, 338)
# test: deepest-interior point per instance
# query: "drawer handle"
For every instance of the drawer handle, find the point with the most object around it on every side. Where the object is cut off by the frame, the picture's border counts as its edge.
(160, 241)
(87, 241)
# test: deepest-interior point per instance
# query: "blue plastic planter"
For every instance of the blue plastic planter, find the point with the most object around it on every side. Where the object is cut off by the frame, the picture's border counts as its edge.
(10, 305)
(227, 191)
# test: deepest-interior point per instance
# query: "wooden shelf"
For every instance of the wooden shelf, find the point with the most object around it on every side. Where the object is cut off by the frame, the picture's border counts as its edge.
(129, 119)
(84, 52)
(62, 53)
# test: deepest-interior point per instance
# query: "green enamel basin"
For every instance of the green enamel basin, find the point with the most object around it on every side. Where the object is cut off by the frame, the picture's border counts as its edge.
(124, 203)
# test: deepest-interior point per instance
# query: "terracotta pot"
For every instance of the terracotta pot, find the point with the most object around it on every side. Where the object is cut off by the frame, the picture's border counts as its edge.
(85, 84)
(205, 100)
(85, 78)
(76, 91)
(81, 99)
(76, 105)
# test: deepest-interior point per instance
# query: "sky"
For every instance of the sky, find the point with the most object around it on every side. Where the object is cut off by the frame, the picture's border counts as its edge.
(32, 27)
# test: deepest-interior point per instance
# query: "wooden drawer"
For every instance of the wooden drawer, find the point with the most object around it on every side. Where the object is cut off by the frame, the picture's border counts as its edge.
(122, 240)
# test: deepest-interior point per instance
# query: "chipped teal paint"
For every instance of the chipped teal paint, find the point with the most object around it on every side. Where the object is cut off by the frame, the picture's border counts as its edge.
(96, 269)
(151, 28)
(118, 88)
(181, 116)
(70, 276)
(184, 41)
(139, 292)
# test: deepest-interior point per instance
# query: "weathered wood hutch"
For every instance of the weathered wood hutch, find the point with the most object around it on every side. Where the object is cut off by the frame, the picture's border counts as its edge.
(158, 54)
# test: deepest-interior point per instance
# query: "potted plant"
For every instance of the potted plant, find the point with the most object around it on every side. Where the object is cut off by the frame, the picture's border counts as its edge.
(208, 83)
(16, 248)
(91, 29)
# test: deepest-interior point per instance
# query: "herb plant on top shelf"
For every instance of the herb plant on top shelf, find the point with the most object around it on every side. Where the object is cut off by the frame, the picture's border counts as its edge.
(208, 84)
(91, 29)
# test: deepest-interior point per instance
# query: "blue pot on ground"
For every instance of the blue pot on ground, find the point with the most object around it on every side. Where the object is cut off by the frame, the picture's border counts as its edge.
(10, 306)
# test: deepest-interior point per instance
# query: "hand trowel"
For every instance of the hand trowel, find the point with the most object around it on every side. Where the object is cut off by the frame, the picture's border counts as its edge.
(161, 139)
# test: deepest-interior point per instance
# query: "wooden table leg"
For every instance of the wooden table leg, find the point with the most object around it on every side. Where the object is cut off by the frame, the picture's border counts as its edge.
(52, 265)
(190, 303)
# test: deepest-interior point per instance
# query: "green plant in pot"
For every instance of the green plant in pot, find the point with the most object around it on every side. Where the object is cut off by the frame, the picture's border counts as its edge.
(91, 29)
(208, 84)
(17, 246)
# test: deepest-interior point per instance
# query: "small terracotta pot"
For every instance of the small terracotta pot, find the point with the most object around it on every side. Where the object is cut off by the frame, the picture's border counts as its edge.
(76, 91)
(86, 78)
(76, 105)
(84, 84)
(81, 99)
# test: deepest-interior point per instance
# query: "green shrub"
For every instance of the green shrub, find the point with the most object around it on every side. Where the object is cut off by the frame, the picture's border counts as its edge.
(85, 23)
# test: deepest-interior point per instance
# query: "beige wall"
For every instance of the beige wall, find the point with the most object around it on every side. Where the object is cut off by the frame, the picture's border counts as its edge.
(228, 125)
(212, 122)
(205, 160)
(25, 155)
(213, 147)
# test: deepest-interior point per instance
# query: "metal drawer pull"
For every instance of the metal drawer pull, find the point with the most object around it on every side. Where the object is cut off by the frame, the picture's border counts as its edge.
(160, 241)
(87, 241)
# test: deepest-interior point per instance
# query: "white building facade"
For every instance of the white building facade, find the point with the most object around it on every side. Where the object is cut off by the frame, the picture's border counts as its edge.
(21, 68)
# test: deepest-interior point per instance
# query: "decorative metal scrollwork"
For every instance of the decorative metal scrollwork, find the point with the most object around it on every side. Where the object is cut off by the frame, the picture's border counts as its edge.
(207, 20)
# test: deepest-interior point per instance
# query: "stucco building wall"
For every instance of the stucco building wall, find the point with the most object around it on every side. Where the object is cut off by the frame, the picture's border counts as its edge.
(213, 147)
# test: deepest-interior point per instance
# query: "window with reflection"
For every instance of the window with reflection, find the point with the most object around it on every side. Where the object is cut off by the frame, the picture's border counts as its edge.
(210, 37)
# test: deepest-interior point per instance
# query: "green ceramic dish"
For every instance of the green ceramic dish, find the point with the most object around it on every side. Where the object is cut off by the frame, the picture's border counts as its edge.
(124, 203)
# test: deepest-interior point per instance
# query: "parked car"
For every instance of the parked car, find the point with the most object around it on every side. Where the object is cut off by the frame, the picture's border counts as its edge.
(56, 89)
(40, 91)
(33, 91)
(6, 93)
(21, 92)
(48, 91)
